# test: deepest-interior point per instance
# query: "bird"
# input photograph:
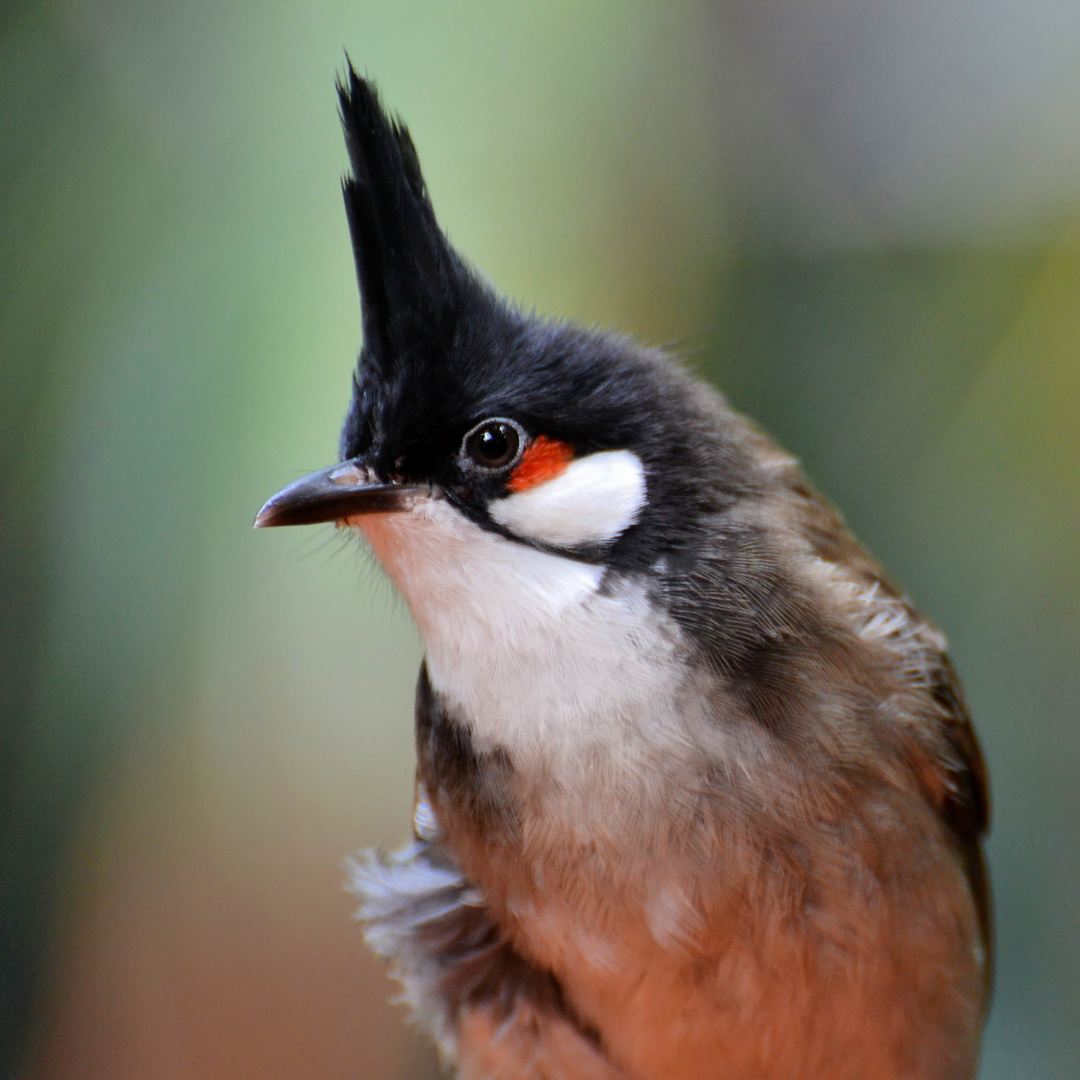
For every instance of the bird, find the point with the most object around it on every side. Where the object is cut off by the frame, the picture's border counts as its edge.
(697, 793)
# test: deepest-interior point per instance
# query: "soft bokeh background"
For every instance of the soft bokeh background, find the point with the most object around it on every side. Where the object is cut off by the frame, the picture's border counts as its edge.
(861, 219)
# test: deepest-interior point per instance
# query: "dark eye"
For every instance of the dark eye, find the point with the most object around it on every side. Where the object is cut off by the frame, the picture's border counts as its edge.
(494, 444)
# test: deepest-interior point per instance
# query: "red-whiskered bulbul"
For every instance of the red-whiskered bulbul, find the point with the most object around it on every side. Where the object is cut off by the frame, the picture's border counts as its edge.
(697, 795)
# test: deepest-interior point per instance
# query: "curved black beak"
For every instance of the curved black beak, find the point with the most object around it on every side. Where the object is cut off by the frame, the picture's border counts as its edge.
(341, 491)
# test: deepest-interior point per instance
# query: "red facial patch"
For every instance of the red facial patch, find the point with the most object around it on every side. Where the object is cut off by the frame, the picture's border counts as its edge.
(545, 458)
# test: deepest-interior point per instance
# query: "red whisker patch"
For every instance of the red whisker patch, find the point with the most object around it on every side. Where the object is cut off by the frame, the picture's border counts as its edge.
(544, 459)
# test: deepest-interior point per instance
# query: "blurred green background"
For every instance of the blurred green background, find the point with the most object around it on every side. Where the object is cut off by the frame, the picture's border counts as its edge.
(860, 219)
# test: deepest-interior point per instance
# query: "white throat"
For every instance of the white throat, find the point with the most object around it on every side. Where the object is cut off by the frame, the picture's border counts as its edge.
(524, 643)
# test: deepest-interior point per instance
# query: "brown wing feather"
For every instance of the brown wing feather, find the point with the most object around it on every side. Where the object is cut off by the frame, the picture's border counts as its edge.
(955, 777)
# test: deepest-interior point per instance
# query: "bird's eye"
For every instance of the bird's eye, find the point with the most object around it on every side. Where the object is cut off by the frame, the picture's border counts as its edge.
(494, 444)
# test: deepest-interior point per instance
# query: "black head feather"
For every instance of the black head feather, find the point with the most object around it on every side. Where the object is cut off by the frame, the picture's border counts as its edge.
(443, 351)
(408, 274)
(411, 280)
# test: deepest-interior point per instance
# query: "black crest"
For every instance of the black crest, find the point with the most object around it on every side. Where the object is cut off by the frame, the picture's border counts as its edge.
(412, 283)
(408, 274)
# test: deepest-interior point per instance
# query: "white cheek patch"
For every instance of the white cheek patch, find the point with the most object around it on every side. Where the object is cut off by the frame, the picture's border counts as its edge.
(594, 500)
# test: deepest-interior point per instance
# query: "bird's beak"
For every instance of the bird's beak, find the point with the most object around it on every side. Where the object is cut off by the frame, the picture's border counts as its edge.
(341, 491)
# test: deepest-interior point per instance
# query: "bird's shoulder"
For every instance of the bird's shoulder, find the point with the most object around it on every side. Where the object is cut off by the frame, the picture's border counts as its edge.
(959, 786)
(936, 735)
